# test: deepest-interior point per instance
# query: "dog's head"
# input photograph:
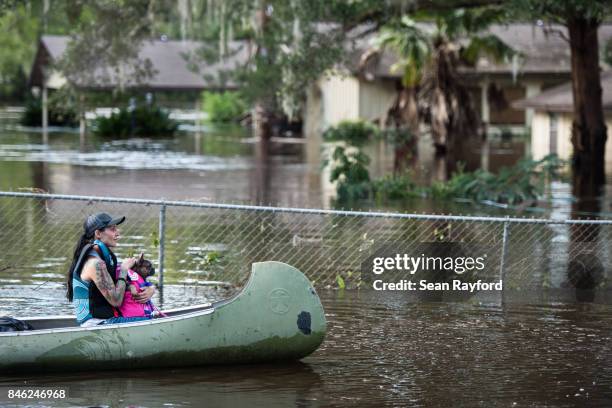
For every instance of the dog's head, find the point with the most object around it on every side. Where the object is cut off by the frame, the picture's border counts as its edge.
(144, 267)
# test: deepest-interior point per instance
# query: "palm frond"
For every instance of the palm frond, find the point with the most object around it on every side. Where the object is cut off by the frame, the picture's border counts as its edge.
(411, 44)
(489, 45)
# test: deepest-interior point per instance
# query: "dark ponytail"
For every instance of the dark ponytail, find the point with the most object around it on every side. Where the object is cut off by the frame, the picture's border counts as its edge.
(84, 240)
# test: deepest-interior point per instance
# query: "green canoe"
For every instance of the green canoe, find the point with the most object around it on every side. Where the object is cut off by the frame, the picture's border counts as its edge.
(276, 316)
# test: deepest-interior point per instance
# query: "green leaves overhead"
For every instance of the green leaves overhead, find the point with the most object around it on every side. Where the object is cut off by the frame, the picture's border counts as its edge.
(409, 41)
(462, 22)
(559, 11)
(489, 45)
(414, 39)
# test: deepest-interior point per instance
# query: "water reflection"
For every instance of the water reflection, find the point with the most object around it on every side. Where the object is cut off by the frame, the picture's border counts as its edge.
(223, 164)
(387, 349)
(279, 385)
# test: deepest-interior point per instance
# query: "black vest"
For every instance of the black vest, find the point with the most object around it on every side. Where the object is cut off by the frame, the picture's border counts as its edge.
(98, 305)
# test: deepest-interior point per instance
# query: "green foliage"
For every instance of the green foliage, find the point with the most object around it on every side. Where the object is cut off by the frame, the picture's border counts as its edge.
(212, 258)
(154, 239)
(18, 32)
(58, 115)
(340, 282)
(559, 12)
(396, 187)
(396, 137)
(519, 183)
(490, 45)
(512, 185)
(455, 23)
(354, 133)
(349, 165)
(223, 107)
(350, 171)
(142, 121)
(409, 41)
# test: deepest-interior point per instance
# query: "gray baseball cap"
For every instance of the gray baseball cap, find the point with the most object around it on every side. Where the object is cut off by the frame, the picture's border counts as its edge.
(99, 221)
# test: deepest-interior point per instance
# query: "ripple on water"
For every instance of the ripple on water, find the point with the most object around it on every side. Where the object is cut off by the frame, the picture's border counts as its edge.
(131, 159)
(389, 350)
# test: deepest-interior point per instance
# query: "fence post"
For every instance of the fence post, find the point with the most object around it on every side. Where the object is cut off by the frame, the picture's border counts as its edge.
(504, 251)
(162, 228)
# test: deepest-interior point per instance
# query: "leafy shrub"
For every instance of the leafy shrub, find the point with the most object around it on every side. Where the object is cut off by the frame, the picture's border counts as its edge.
(396, 187)
(355, 133)
(350, 171)
(519, 183)
(396, 137)
(142, 121)
(58, 115)
(512, 185)
(349, 165)
(223, 107)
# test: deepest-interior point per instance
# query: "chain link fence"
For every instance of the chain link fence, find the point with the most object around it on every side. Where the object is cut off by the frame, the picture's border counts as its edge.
(202, 244)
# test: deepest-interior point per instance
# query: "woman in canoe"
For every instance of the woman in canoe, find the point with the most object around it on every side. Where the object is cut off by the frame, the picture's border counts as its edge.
(92, 286)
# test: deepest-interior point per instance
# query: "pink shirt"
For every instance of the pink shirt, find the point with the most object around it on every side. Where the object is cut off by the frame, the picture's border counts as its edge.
(129, 307)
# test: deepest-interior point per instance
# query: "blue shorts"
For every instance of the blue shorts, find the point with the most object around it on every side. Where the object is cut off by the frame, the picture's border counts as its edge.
(114, 320)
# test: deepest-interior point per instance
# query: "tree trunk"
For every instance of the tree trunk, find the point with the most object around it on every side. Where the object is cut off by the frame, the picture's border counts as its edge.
(589, 136)
(403, 116)
(588, 128)
(262, 121)
(262, 113)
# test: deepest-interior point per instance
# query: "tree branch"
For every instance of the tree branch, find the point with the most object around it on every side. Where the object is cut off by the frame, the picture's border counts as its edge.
(548, 30)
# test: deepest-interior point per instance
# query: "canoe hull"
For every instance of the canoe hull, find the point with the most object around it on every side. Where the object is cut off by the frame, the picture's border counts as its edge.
(276, 316)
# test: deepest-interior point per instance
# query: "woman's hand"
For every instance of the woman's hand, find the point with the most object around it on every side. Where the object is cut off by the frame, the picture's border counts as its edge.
(145, 294)
(129, 262)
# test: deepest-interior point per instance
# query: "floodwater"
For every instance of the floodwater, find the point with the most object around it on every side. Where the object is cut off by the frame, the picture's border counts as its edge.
(218, 164)
(224, 165)
(386, 349)
(381, 349)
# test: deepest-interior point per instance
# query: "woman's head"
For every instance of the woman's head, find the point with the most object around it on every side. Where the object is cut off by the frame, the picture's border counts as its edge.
(103, 227)
(98, 226)
(109, 235)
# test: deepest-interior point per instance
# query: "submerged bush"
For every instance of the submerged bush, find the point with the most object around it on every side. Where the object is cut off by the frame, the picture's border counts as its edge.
(349, 165)
(396, 187)
(520, 183)
(355, 133)
(350, 172)
(227, 106)
(58, 115)
(512, 185)
(142, 121)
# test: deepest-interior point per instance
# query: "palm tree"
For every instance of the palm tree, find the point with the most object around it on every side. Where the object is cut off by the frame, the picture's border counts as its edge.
(430, 57)
(402, 121)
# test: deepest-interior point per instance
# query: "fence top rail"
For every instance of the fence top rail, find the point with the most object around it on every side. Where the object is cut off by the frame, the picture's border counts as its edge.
(243, 207)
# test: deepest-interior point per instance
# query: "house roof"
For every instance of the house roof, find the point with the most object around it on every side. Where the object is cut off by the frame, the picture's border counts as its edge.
(174, 66)
(560, 98)
(542, 52)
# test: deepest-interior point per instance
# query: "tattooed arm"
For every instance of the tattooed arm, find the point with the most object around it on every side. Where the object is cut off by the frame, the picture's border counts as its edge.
(95, 270)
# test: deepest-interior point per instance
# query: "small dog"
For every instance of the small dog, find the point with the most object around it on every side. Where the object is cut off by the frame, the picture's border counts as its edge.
(137, 280)
(144, 267)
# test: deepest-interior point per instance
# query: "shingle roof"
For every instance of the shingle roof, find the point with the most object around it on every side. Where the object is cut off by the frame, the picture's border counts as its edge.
(542, 53)
(173, 65)
(560, 98)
